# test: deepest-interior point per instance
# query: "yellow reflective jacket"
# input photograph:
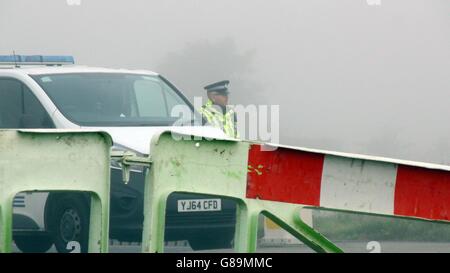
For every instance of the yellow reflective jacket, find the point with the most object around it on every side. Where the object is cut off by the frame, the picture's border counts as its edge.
(226, 122)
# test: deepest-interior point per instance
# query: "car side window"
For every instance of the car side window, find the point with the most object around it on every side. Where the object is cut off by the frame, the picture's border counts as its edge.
(150, 99)
(19, 108)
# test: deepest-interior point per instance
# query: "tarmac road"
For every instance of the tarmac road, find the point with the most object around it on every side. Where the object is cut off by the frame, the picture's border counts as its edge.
(351, 247)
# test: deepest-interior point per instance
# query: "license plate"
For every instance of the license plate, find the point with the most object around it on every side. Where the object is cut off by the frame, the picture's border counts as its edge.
(195, 205)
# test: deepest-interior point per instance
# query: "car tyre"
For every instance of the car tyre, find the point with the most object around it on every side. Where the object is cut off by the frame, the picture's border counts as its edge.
(71, 224)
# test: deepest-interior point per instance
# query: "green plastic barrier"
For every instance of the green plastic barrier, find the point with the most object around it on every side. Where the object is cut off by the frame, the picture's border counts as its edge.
(51, 160)
(217, 167)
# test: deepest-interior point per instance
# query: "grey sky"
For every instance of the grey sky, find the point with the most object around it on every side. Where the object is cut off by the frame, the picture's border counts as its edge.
(347, 76)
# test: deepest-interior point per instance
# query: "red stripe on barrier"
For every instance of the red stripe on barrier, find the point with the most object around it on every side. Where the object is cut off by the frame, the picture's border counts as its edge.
(285, 175)
(422, 193)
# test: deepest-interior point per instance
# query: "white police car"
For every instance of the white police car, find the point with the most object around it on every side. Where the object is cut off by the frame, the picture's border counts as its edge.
(131, 105)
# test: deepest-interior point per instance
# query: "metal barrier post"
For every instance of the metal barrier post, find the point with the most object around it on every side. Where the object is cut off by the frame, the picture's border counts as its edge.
(246, 236)
(198, 166)
(48, 160)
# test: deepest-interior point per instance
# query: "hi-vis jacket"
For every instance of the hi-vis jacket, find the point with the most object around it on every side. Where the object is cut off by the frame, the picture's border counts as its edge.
(226, 122)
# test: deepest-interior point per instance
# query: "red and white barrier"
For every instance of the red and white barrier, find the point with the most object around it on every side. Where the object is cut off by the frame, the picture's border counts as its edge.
(350, 182)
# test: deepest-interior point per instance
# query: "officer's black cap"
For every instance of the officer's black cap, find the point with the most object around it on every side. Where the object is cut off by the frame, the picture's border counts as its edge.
(220, 87)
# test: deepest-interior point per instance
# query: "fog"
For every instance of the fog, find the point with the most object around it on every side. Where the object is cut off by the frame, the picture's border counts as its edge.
(348, 76)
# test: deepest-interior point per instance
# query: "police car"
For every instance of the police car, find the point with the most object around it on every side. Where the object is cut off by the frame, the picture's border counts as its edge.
(131, 105)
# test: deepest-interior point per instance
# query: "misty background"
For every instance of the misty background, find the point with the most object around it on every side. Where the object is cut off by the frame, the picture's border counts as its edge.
(348, 76)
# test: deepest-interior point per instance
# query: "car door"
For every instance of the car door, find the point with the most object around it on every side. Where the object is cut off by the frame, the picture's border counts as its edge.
(19, 107)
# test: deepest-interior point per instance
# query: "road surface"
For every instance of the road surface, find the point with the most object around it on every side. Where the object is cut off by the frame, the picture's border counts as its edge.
(351, 247)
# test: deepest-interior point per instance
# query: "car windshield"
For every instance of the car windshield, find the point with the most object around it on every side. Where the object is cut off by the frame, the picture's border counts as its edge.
(113, 99)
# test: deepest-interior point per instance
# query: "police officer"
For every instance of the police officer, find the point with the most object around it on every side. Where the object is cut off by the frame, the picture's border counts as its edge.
(215, 109)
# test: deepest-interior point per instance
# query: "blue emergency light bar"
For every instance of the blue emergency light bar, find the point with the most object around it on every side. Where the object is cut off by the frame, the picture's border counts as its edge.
(36, 59)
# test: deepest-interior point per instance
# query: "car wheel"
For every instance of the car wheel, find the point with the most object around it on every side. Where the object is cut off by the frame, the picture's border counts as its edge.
(71, 224)
(33, 244)
(212, 242)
